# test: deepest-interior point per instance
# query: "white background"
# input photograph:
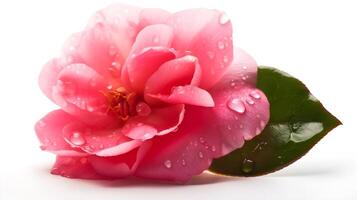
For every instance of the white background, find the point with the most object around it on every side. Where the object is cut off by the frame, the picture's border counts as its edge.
(312, 40)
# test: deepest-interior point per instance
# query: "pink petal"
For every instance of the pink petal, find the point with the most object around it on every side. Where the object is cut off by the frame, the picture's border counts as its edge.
(180, 155)
(75, 167)
(243, 70)
(151, 16)
(187, 94)
(120, 166)
(49, 73)
(101, 142)
(78, 92)
(180, 71)
(141, 66)
(240, 114)
(207, 34)
(161, 121)
(107, 39)
(49, 132)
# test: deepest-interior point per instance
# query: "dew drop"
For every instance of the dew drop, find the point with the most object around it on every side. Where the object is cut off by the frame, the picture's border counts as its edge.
(41, 124)
(241, 126)
(179, 89)
(220, 45)
(113, 50)
(223, 19)
(168, 164)
(255, 95)
(109, 87)
(250, 101)
(143, 109)
(213, 148)
(244, 67)
(247, 165)
(262, 124)
(200, 154)
(257, 131)
(77, 138)
(156, 39)
(229, 127)
(236, 105)
(225, 59)
(210, 55)
(183, 162)
(202, 140)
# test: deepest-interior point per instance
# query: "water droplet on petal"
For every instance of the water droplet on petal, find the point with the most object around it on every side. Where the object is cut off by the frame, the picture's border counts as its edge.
(179, 89)
(41, 124)
(109, 87)
(255, 95)
(220, 45)
(225, 59)
(210, 55)
(200, 154)
(143, 109)
(223, 19)
(113, 50)
(202, 140)
(90, 108)
(247, 165)
(77, 138)
(168, 164)
(156, 39)
(244, 67)
(213, 148)
(241, 126)
(250, 101)
(183, 162)
(236, 105)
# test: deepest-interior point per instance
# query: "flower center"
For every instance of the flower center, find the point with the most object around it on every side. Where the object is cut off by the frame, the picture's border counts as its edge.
(121, 103)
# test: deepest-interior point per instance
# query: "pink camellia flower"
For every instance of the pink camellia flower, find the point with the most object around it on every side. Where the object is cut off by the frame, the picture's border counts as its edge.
(149, 94)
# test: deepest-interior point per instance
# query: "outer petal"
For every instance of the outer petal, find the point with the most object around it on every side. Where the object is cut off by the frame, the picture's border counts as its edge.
(101, 142)
(49, 132)
(75, 167)
(240, 114)
(120, 166)
(78, 92)
(207, 34)
(49, 73)
(243, 70)
(161, 121)
(180, 155)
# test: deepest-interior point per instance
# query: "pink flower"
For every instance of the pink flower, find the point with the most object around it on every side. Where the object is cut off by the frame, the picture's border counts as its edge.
(149, 94)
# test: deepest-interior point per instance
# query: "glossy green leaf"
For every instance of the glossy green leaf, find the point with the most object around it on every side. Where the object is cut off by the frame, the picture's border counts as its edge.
(297, 122)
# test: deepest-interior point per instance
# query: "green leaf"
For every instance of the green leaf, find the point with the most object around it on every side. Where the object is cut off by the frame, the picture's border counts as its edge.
(297, 122)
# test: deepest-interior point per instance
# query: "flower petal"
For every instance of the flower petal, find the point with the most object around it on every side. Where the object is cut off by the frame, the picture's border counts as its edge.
(180, 155)
(176, 72)
(49, 132)
(78, 92)
(75, 167)
(101, 142)
(243, 70)
(161, 121)
(120, 166)
(207, 34)
(49, 73)
(151, 16)
(187, 94)
(240, 114)
(142, 65)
